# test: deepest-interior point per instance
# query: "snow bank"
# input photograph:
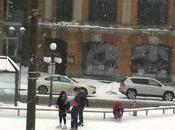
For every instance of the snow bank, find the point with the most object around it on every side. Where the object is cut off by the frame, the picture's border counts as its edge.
(104, 90)
(6, 64)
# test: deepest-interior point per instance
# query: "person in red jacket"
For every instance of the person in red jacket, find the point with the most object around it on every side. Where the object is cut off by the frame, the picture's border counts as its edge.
(75, 109)
(118, 110)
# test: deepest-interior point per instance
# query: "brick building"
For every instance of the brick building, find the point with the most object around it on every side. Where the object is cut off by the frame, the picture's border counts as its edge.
(105, 38)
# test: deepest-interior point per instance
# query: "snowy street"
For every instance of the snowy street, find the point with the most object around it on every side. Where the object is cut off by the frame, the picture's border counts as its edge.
(106, 92)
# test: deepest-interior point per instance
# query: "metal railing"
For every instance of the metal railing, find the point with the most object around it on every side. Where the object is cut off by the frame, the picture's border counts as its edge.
(134, 111)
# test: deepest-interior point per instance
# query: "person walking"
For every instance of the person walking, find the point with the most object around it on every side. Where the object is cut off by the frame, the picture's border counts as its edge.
(82, 103)
(63, 107)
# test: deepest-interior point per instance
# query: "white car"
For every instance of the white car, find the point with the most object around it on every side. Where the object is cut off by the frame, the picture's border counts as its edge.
(143, 86)
(62, 83)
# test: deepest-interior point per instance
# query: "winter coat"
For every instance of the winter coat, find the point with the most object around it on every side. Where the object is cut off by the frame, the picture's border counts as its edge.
(118, 109)
(74, 110)
(63, 104)
(82, 101)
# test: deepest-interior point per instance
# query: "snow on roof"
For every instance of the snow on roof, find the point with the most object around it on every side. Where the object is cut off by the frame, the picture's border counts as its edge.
(63, 24)
(8, 65)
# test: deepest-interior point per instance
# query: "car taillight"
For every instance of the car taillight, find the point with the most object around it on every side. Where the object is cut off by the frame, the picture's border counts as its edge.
(122, 84)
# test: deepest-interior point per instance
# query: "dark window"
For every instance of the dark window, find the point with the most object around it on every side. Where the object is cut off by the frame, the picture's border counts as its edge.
(54, 78)
(151, 60)
(14, 10)
(140, 81)
(152, 12)
(102, 10)
(64, 10)
(62, 79)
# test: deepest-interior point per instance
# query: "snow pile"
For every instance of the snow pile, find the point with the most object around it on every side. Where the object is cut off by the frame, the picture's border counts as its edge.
(63, 24)
(6, 64)
(104, 90)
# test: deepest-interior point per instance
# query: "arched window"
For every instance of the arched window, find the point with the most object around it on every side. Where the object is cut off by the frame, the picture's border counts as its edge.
(99, 59)
(151, 60)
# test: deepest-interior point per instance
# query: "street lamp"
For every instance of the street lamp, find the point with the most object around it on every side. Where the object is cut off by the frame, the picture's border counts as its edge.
(11, 29)
(22, 30)
(53, 47)
(19, 33)
(52, 60)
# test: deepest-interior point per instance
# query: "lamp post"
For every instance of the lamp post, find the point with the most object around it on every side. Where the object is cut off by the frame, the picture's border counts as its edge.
(19, 33)
(53, 47)
(52, 60)
(32, 27)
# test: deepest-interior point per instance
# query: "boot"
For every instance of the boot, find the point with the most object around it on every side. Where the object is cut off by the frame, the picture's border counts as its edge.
(64, 127)
(59, 126)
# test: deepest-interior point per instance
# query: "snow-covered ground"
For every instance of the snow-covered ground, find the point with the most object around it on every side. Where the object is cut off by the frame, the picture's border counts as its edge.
(49, 121)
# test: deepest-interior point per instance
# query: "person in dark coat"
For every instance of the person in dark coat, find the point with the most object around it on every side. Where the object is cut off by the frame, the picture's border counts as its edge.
(63, 107)
(82, 103)
(75, 109)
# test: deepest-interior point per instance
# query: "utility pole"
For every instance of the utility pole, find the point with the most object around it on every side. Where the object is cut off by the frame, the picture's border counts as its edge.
(31, 23)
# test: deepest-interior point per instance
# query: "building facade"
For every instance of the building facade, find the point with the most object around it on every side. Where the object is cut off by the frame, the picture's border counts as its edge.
(105, 38)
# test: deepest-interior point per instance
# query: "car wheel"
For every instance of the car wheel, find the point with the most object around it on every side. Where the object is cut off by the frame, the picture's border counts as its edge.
(131, 94)
(42, 89)
(168, 96)
(84, 91)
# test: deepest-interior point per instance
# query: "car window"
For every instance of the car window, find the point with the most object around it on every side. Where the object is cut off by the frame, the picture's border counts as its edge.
(54, 78)
(140, 81)
(62, 79)
(154, 83)
(48, 78)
